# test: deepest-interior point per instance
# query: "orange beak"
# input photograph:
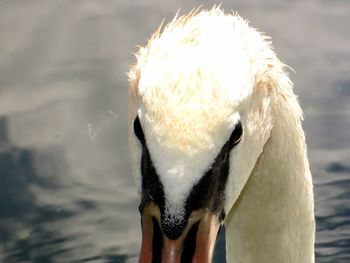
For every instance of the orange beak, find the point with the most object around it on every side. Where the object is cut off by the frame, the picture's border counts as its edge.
(195, 244)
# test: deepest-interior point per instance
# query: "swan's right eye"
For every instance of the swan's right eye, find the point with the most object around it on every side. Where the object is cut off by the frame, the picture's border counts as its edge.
(236, 135)
(138, 130)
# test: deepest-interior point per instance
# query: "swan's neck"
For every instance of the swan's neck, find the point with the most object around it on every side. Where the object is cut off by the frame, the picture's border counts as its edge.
(273, 219)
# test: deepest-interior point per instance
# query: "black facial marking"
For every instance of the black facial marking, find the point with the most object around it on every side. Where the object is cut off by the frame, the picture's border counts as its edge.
(152, 189)
(208, 193)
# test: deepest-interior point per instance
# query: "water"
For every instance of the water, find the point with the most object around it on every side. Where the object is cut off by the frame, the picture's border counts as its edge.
(66, 193)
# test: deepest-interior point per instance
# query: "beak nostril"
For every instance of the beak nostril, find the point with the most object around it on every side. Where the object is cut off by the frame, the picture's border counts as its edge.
(189, 246)
(157, 242)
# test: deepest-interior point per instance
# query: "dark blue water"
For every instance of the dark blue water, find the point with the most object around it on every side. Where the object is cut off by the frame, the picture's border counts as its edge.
(66, 191)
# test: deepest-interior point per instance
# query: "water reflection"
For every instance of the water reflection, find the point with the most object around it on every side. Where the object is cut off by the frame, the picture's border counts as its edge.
(23, 234)
(66, 194)
(333, 223)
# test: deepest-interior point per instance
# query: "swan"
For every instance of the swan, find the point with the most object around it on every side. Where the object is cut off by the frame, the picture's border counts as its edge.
(216, 138)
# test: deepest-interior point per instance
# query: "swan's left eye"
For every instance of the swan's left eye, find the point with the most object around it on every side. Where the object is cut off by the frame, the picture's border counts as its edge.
(138, 130)
(236, 135)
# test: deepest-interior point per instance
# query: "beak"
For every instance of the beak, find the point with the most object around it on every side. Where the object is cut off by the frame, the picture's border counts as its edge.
(195, 244)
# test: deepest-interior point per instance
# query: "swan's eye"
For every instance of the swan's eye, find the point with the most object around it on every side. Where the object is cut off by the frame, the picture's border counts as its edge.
(236, 135)
(138, 130)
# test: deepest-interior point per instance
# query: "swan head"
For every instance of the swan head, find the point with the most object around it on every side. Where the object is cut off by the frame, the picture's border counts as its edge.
(200, 115)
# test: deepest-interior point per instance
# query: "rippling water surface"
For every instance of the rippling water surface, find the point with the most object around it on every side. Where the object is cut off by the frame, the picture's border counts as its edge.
(66, 194)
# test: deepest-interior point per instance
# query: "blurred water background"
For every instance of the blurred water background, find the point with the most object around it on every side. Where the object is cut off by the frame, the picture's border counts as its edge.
(66, 191)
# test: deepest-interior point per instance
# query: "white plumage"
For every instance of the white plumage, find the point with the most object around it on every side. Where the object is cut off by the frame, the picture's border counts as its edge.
(192, 82)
